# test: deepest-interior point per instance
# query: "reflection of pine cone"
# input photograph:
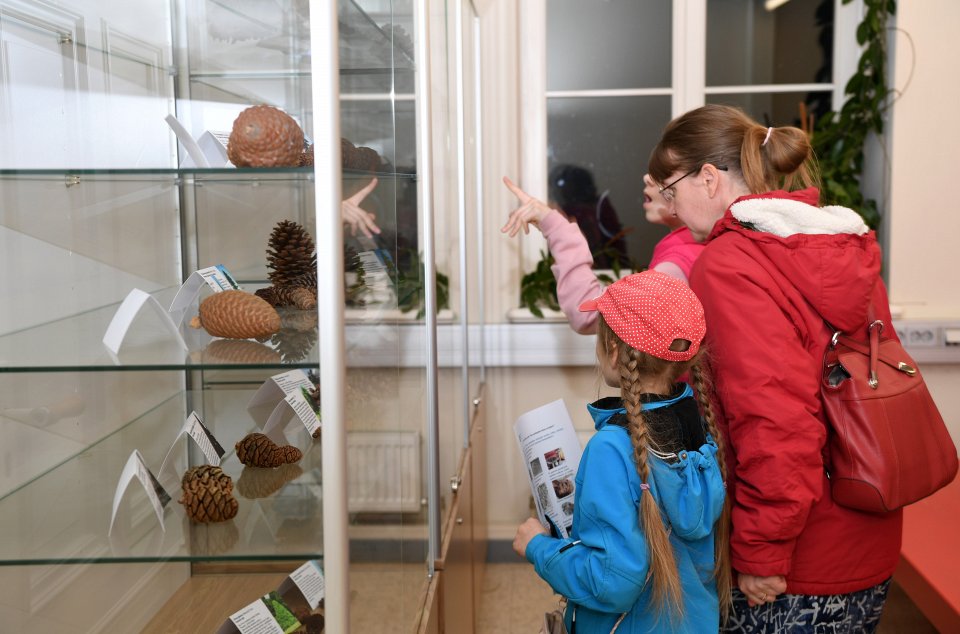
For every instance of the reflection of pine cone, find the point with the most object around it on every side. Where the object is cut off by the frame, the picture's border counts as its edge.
(236, 314)
(360, 158)
(207, 495)
(312, 624)
(291, 253)
(214, 539)
(239, 351)
(256, 450)
(260, 483)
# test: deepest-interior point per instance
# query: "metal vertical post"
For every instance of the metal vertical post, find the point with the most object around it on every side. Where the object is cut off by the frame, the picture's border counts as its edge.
(325, 67)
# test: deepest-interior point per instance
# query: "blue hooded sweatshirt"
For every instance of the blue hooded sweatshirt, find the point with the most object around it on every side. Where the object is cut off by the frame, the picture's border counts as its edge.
(602, 569)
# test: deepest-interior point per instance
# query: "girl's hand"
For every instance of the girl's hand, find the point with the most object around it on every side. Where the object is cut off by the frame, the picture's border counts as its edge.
(760, 590)
(530, 212)
(525, 532)
(355, 217)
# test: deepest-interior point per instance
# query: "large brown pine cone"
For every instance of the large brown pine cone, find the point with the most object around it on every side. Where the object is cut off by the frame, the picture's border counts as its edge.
(264, 136)
(236, 314)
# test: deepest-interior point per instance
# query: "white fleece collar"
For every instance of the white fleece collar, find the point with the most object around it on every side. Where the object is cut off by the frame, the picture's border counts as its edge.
(784, 217)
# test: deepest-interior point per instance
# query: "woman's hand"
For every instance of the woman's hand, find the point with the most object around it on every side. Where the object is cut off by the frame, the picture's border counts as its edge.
(525, 532)
(760, 590)
(355, 217)
(530, 212)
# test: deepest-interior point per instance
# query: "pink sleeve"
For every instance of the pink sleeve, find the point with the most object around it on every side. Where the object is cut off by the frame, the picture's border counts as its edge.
(573, 269)
(678, 248)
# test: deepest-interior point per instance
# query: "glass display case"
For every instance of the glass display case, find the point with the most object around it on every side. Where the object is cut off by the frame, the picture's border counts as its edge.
(116, 190)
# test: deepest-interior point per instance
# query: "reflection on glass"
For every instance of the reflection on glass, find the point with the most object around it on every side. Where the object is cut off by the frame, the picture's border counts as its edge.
(747, 44)
(599, 44)
(612, 138)
(777, 109)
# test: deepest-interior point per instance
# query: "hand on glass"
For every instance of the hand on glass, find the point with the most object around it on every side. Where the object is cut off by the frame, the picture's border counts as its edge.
(355, 217)
(760, 590)
(525, 532)
(530, 212)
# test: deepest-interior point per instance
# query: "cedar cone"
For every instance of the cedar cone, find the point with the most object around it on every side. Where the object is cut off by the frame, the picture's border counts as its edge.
(236, 314)
(205, 476)
(261, 483)
(256, 450)
(264, 136)
(207, 495)
(291, 254)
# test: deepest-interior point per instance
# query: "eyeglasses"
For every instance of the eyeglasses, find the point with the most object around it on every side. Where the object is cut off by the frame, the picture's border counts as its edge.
(669, 193)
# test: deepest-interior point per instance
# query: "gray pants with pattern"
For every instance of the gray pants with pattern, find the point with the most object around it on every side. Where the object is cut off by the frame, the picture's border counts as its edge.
(854, 613)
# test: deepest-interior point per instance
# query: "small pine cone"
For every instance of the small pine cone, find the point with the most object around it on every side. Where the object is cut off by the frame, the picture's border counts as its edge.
(268, 294)
(236, 314)
(206, 476)
(256, 450)
(264, 136)
(306, 158)
(300, 297)
(291, 253)
(260, 483)
(346, 152)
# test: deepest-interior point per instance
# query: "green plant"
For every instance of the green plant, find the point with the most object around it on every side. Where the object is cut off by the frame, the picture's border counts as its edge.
(839, 137)
(538, 288)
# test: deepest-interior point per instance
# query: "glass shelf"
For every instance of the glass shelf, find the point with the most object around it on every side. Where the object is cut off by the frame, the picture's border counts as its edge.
(223, 174)
(63, 515)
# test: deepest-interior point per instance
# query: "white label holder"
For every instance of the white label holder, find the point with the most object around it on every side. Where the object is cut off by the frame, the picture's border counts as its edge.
(128, 310)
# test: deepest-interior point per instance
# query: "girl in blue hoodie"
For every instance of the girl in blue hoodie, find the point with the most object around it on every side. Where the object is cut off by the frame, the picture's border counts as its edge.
(648, 551)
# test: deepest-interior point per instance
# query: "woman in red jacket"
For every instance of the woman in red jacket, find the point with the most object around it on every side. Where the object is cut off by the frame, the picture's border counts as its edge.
(775, 266)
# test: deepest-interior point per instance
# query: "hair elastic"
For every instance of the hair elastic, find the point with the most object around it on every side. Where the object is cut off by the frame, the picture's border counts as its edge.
(644, 486)
(767, 138)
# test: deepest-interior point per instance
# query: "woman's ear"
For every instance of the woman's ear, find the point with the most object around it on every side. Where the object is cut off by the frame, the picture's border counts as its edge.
(711, 179)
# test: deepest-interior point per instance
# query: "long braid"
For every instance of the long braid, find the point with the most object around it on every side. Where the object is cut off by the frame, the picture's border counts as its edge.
(701, 381)
(667, 591)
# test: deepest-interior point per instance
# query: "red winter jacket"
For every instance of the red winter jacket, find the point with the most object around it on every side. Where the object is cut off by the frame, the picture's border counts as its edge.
(770, 265)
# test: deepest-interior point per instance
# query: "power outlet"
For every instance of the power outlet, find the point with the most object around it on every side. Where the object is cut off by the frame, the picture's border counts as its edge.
(920, 335)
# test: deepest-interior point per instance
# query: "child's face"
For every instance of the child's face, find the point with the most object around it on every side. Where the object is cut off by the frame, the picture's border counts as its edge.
(607, 360)
(655, 208)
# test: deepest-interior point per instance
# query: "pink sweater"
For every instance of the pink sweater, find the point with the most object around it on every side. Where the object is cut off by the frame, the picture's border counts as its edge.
(576, 281)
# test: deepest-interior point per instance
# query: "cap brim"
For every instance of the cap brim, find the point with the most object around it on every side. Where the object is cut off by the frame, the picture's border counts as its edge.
(589, 306)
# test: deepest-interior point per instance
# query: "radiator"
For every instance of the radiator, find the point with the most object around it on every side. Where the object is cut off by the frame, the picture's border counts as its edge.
(383, 472)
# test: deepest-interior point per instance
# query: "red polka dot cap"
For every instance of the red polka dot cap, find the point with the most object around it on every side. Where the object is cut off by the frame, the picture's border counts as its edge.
(650, 311)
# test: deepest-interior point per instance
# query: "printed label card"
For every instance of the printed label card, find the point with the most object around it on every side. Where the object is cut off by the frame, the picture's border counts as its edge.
(309, 580)
(283, 396)
(194, 428)
(267, 615)
(137, 468)
(122, 320)
(216, 278)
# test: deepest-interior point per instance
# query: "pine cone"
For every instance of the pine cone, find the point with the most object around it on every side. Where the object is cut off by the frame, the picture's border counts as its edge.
(260, 483)
(291, 253)
(306, 158)
(207, 495)
(236, 314)
(206, 476)
(264, 136)
(256, 450)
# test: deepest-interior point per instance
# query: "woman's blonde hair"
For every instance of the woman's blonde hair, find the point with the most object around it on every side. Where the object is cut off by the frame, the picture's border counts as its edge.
(767, 158)
(634, 365)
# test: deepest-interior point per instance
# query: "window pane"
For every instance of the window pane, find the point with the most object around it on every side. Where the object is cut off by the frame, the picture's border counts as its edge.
(777, 109)
(610, 139)
(747, 44)
(599, 44)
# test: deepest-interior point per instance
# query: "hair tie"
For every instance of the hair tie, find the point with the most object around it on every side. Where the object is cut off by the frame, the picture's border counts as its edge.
(767, 138)
(644, 486)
